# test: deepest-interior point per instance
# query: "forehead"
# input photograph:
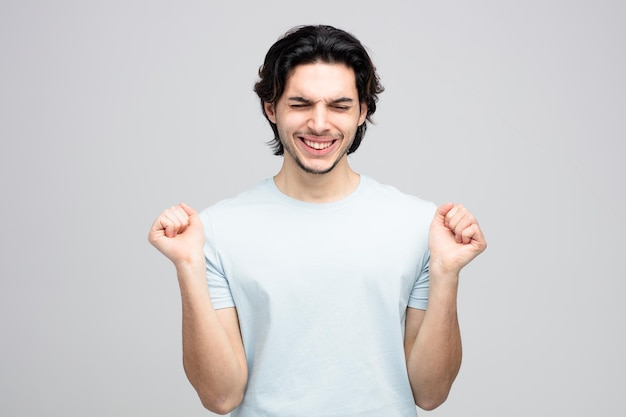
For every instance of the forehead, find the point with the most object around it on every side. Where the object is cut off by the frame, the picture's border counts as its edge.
(321, 80)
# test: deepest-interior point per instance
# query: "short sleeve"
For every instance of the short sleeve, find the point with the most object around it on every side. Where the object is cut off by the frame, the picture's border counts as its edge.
(219, 287)
(419, 295)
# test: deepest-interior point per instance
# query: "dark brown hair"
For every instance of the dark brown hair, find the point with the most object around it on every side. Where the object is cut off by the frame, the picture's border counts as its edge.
(309, 44)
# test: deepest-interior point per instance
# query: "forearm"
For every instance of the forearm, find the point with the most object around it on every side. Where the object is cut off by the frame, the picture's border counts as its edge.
(434, 359)
(214, 365)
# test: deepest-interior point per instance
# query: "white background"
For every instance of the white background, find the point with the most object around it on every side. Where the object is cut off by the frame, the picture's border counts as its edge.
(111, 111)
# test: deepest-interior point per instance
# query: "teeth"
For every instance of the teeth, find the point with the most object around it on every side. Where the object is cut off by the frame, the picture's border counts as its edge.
(317, 145)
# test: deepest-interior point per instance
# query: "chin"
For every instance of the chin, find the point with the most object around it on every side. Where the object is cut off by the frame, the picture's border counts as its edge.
(317, 170)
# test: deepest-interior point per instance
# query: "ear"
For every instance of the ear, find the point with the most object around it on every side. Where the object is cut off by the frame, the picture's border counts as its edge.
(270, 111)
(363, 113)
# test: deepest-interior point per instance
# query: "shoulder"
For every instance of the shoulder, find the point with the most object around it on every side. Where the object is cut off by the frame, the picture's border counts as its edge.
(259, 195)
(392, 198)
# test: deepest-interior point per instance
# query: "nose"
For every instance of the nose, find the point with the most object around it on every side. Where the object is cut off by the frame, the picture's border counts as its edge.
(318, 120)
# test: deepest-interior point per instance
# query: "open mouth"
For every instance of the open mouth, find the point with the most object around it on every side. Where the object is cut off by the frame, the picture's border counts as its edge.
(317, 145)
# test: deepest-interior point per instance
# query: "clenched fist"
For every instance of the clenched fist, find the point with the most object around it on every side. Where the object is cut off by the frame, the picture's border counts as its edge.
(179, 235)
(455, 239)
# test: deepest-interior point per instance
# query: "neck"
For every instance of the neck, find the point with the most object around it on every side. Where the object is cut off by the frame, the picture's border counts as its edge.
(317, 188)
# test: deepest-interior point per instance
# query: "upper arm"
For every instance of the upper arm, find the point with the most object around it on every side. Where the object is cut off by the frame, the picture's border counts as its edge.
(414, 319)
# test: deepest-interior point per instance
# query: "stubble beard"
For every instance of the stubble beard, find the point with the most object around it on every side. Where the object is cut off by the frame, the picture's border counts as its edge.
(289, 149)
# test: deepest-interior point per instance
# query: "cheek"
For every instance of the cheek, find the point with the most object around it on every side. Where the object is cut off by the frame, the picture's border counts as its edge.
(294, 122)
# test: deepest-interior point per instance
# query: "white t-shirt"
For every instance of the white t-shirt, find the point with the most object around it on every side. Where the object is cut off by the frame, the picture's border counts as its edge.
(321, 292)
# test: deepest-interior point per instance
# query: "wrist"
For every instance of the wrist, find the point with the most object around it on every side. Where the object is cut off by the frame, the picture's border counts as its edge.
(439, 267)
(190, 266)
(443, 288)
(440, 274)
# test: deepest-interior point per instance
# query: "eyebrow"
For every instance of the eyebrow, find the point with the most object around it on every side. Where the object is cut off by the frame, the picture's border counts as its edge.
(301, 99)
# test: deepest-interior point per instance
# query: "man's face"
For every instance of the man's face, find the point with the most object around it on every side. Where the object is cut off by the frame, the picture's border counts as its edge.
(318, 115)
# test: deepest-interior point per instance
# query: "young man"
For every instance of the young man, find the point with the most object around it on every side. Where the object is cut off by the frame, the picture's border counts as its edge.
(328, 293)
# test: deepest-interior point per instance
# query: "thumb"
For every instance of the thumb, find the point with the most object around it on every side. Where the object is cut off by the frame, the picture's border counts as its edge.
(444, 209)
(190, 211)
(194, 219)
